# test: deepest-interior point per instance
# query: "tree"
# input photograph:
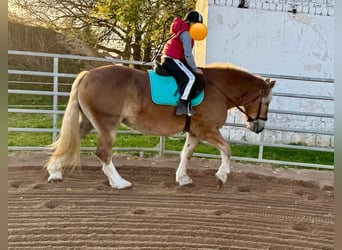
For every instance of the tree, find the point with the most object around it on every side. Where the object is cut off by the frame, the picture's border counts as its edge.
(129, 29)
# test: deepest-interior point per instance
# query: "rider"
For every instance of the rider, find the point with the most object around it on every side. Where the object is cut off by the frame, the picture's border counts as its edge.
(178, 60)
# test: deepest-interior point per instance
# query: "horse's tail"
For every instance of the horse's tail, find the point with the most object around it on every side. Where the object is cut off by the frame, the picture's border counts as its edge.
(66, 149)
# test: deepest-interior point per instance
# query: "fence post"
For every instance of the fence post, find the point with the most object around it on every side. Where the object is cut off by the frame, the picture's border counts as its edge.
(162, 146)
(261, 146)
(55, 99)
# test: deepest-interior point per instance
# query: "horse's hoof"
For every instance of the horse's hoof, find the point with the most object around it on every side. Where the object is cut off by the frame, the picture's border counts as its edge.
(188, 185)
(55, 181)
(184, 181)
(221, 178)
(219, 183)
(123, 185)
(55, 177)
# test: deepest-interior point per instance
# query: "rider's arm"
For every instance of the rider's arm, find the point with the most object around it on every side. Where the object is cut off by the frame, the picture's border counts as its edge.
(189, 57)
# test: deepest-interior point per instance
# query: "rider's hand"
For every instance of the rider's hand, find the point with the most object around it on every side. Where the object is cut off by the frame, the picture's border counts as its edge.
(199, 71)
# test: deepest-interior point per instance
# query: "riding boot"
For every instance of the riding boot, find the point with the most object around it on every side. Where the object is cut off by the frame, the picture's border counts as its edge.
(184, 108)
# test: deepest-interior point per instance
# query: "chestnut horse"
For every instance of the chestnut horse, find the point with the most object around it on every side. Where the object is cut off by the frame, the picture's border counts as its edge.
(104, 97)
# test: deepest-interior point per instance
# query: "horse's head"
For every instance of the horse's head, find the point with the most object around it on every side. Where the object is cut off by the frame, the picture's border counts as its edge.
(249, 93)
(256, 110)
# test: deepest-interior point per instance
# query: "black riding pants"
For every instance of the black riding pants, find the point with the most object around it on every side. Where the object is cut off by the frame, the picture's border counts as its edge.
(184, 76)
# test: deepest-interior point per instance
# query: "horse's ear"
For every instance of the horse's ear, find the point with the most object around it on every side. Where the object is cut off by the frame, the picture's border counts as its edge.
(271, 84)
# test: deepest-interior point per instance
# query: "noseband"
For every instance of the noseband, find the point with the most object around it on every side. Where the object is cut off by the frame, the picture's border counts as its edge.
(249, 118)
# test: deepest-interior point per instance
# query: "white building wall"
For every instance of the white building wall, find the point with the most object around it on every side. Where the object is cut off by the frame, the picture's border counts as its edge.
(266, 38)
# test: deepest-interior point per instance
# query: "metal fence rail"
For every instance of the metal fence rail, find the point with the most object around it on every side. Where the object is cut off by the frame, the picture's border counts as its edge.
(160, 148)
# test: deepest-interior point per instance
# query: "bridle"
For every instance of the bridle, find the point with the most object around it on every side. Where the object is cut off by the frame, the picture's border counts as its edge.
(249, 118)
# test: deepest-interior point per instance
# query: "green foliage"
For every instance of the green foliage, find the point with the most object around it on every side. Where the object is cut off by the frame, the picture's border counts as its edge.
(142, 22)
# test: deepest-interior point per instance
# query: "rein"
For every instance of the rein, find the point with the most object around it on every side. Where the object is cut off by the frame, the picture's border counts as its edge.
(250, 119)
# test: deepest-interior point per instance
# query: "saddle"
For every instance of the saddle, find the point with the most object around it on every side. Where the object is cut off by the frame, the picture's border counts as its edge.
(165, 91)
(158, 68)
(200, 80)
(163, 85)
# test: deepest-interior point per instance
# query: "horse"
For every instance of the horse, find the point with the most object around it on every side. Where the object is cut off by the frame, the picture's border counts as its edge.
(106, 96)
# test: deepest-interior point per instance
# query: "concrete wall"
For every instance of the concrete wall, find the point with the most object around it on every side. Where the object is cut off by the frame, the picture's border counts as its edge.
(266, 38)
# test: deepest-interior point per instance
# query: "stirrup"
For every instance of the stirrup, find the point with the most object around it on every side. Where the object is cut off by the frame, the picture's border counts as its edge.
(191, 112)
(182, 108)
(185, 109)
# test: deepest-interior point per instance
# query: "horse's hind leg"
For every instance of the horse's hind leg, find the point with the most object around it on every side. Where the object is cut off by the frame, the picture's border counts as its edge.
(85, 125)
(104, 153)
(55, 166)
(181, 175)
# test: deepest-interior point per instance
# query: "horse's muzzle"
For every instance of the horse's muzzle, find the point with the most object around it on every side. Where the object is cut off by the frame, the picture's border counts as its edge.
(256, 126)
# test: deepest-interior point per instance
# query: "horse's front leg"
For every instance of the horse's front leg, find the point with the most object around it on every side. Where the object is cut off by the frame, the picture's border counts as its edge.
(181, 174)
(217, 140)
(224, 170)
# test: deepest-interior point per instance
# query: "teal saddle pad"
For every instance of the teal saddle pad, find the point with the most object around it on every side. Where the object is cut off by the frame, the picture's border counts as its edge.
(164, 90)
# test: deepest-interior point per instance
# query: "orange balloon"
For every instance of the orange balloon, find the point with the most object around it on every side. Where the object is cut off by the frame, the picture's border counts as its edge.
(198, 31)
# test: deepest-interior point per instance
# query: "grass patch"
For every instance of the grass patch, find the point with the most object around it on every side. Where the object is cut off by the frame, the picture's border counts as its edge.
(124, 140)
(296, 155)
(24, 120)
(22, 139)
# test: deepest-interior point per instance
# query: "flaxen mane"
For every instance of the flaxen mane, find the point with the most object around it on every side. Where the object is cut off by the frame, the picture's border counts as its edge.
(232, 68)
